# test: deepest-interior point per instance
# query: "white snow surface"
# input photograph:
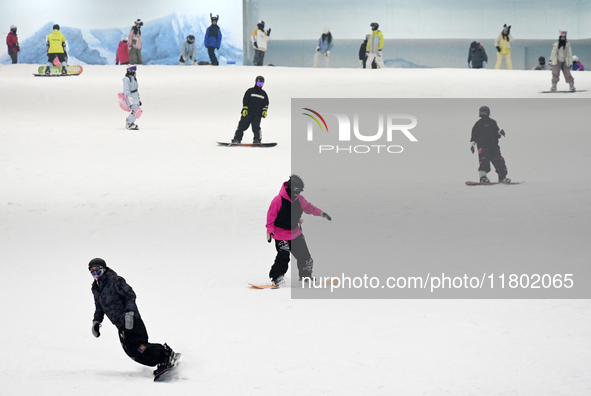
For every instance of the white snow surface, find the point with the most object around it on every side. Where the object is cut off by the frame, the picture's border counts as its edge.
(182, 220)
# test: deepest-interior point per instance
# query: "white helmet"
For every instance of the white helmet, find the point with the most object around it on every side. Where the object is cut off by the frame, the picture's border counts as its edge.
(124, 39)
(575, 58)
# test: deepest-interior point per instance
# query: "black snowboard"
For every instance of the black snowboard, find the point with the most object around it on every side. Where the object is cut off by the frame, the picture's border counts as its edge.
(167, 374)
(248, 144)
(578, 90)
(472, 183)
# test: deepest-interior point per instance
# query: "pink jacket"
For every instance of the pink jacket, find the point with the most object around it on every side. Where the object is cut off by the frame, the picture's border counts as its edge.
(282, 234)
(122, 53)
(135, 40)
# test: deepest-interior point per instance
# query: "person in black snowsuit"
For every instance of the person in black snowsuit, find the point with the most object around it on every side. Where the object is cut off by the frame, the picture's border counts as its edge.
(255, 104)
(477, 57)
(486, 135)
(116, 299)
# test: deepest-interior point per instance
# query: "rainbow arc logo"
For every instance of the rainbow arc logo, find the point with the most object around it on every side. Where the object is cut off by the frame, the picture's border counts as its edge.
(316, 119)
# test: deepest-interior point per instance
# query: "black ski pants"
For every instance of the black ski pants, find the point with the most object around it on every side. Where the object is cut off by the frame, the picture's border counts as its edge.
(212, 57)
(486, 155)
(244, 123)
(299, 249)
(136, 346)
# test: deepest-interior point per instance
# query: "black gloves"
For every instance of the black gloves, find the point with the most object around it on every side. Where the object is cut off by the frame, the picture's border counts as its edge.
(326, 216)
(501, 133)
(498, 49)
(96, 329)
(269, 32)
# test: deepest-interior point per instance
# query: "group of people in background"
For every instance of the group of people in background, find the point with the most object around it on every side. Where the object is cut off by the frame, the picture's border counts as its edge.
(129, 50)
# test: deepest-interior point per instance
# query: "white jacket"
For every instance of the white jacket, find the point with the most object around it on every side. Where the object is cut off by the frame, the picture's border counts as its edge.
(260, 37)
(561, 55)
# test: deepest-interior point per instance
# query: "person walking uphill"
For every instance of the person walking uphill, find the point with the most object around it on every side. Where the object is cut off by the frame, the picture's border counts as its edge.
(324, 47)
(213, 39)
(375, 44)
(135, 43)
(485, 136)
(503, 46)
(122, 56)
(255, 104)
(13, 46)
(283, 225)
(114, 298)
(561, 58)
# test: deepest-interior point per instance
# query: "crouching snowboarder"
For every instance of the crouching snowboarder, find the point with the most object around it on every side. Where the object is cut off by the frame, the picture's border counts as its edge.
(485, 136)
(132, 97)
(116, 299)
(283, 225)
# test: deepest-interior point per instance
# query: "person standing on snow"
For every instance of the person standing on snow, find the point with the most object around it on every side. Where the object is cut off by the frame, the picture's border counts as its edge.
(561, 58)
(283, 225)
(363, 53)
(477, 58)
(577, 65)
(503, 46)
(122, 56)
(259, 39)
(374, 47)
(213, 39)
(485, 136)
(255, 103)
(56, 48)
(13, 46)
(188, 51)
(116, 299)
(132, 97)
(323, 49)
(135, 43)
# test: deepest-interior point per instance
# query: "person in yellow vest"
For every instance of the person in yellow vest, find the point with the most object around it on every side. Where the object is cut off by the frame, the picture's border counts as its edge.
(503, 45)
(375, 44)
(56, 48)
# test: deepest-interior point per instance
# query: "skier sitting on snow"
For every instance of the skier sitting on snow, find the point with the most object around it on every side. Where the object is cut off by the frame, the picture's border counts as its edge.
(485, 135)
(116, 299)
(132, 97)
(283, 225)
(255, 103)
(188, 51)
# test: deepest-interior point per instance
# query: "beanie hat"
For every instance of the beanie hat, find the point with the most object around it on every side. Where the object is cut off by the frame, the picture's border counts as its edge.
(97, 262)
(326, 30)
(562, 32)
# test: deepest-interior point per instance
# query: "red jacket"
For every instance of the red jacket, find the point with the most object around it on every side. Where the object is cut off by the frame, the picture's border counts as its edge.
(12, 42)
(122, 53)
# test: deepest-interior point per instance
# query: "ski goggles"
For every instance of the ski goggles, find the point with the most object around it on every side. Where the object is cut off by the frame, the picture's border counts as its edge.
(96, 272)
(260, 83)
(133, 68)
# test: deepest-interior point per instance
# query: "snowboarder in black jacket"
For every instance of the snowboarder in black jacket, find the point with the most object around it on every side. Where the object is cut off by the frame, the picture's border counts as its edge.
(486, 135)
(477, 57)
(255, 104)
(116, 299)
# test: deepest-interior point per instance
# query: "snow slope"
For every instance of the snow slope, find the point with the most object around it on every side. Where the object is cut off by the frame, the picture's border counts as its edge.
(183, 221)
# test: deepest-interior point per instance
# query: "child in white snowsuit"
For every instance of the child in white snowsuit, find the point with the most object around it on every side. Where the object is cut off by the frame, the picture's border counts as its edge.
(132, 97)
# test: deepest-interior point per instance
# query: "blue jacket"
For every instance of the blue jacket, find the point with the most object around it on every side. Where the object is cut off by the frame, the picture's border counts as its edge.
(113, 297)
(213, 37)
(325, 43)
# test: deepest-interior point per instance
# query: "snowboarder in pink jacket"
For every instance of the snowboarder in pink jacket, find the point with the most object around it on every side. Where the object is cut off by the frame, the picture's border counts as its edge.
(283, 225)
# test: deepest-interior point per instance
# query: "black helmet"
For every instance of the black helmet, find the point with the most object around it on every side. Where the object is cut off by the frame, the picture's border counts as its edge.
(259, 81)
(484, 111)
(56, 27)
(374, 25)
(97, 262)
(542, 60)
(261, 24)
(295, 182)
(190, 39)
(214, 17)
